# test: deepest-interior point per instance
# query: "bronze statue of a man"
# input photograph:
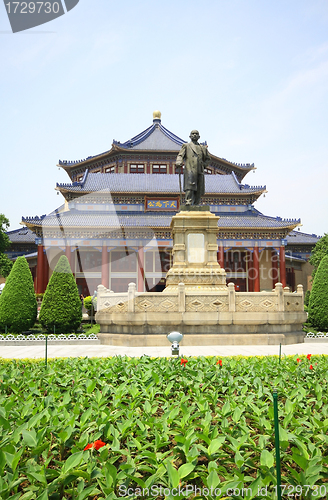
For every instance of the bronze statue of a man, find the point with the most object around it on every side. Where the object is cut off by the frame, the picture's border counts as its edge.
(195, 158)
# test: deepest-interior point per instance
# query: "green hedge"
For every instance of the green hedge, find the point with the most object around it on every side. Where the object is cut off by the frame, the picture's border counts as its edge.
(318, 303)
(61, 305)
(18, 306)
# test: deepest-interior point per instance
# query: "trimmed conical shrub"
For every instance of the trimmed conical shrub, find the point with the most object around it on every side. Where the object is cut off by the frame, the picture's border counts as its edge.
(18, 306)
(61, 305)
(318, 303)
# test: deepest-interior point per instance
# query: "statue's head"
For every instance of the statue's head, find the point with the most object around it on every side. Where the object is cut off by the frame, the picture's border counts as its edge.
(194, 135)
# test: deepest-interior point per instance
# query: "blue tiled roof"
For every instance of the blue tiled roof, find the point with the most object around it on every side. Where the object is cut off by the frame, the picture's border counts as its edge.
(155, 183)
(22, 235)
(155, 138)
(162, 139)
(256, 220)
(299, 238)
(154, 220)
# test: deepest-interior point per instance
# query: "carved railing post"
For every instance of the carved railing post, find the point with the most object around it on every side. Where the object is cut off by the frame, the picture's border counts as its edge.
(232, 297)
(131, 296)
(100, 297)
(181, 297)
(280, 292)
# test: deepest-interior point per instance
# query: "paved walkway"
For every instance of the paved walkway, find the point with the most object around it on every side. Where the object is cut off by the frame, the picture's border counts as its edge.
(97, 351)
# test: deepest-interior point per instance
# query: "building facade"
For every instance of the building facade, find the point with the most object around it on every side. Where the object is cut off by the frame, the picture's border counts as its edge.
(114, 223)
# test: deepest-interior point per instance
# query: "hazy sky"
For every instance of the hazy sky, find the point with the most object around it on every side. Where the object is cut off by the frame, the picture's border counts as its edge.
(250, 75)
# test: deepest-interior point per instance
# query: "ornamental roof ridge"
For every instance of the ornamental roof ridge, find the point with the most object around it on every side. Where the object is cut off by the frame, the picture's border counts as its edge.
(36, 218)
(247, 166)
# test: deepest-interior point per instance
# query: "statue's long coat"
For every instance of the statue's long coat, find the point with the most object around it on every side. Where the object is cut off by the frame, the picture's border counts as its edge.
(194, 157)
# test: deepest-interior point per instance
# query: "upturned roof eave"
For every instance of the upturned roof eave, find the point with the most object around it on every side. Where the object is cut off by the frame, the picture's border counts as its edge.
(241, 168)
(262, 228)
(69, 166)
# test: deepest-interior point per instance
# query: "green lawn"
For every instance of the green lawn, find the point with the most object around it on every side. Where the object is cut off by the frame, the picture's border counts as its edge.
(160, 425)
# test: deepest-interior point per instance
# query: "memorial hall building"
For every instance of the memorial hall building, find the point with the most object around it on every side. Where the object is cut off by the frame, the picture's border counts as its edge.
(114, 221)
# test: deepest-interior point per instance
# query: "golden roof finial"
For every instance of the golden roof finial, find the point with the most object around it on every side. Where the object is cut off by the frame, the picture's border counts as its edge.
(157, 115)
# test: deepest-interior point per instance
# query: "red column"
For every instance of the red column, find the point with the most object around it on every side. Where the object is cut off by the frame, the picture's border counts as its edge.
(221, 255)
(141, 271)
(73, 260)
(274, 268)
(250, 272)
(105, 267)
(45, 271)
(256, 269)
(39, 270)
(282, 263)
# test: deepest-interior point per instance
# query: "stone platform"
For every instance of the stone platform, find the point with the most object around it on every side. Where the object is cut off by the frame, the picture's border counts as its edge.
(224, 317)
(197, 302)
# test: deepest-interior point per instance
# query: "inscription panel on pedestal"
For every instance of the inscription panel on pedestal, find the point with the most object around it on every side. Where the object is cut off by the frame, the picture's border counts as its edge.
(196, 248)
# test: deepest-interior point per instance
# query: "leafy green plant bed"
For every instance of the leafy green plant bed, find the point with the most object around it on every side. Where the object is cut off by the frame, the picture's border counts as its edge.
(111, 428)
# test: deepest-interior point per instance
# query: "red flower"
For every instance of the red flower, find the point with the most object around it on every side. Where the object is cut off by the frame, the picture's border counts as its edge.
(311, 367)
(219, 362)
(309, 356)
(298, 360)
(97, 444)
(184, 362)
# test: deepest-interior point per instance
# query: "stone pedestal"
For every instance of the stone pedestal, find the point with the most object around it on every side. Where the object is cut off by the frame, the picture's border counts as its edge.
(194, 232)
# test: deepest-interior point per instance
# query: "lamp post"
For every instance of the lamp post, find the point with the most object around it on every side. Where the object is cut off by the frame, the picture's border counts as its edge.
(175, 338)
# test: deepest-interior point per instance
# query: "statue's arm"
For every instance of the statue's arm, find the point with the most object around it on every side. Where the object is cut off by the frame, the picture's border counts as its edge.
(207, 158)
(181, 156)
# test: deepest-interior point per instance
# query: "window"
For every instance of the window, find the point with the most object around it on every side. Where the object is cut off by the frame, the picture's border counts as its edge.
(89, 261)
(137, 169)
(158, 262)
(110, 170)
(123, 261)
(159, 169)
(208, 171)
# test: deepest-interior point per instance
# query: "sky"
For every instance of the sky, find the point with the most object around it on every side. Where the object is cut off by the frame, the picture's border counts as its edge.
(250, 75)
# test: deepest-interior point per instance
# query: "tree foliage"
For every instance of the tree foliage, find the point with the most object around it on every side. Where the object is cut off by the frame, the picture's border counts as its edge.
(318, 252)
(5, 265)
(4, 240)
(318, 303)
(61, 305)
(18, 306)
